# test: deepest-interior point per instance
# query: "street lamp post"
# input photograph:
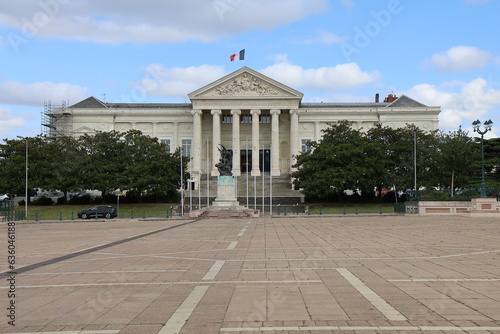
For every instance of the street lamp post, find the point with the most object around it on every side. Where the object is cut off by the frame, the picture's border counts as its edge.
(487, 127)
(26, 183)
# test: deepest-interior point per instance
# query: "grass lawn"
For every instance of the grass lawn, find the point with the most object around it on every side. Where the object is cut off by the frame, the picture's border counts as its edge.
(66, 212)
(136, 210)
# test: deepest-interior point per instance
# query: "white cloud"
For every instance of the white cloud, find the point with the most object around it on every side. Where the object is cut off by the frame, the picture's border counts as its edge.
(459, 58)
(35, 94)
(466, 103)
(176, 82)
(151, 21)
(326, 37)
(8, 121)
(323, 78)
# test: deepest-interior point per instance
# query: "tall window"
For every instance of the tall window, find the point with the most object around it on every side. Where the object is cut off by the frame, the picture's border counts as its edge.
(186, 147)
(265, 119)
(305, 147)
(227, 119)
(167, 144)
(246, 119)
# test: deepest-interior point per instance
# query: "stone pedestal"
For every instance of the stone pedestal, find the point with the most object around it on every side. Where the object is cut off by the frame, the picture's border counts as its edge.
(225, 192)
(484, 207)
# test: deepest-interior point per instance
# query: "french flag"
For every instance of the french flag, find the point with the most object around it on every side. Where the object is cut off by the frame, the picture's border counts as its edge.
(238, 56)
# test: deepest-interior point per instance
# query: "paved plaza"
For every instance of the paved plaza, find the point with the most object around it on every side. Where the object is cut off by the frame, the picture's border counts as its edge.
(294, 274)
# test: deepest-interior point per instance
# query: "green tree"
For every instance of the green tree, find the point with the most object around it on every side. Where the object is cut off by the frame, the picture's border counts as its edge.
(492, 163)
(400, 148)
(458, 154)
(344, 159)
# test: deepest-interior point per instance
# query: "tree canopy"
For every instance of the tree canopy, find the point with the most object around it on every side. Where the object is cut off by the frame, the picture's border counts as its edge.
(106, 161)
(386, 158)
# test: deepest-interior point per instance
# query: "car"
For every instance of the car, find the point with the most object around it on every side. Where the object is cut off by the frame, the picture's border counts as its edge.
(4, 197)
(101, 211)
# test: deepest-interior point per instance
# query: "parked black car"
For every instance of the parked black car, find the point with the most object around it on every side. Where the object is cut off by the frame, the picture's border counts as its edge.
(102, 211)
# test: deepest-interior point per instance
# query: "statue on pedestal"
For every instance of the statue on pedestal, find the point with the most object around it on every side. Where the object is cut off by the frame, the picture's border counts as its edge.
(225, 164)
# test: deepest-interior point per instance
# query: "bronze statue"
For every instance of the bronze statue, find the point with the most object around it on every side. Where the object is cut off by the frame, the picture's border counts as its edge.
(225, 164)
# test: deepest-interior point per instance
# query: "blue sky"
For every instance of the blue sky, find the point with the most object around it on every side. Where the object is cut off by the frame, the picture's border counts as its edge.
(441, 53)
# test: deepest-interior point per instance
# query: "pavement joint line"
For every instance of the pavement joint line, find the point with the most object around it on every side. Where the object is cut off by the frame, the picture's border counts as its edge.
(360, 328)
(288, 269)
(105, 331)
(446, 280)
(242, 231)
(182, 314)
(91, 250)
(82, 285)
(232, 245)
(214, 270)
(380, 304)
(107, 272)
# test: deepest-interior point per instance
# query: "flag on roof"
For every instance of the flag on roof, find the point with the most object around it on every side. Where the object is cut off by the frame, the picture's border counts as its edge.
(238, 56)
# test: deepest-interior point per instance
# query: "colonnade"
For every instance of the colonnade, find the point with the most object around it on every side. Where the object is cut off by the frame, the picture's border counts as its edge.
(235, 136)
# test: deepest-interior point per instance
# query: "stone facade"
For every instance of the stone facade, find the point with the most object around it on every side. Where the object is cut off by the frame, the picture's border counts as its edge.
(264, 122)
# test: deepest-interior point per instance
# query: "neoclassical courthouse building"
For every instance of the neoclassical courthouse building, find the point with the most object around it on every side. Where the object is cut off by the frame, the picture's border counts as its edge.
(264, 122)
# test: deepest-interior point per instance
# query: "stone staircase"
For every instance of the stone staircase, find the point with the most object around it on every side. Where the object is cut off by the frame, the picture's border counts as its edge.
(282, 191)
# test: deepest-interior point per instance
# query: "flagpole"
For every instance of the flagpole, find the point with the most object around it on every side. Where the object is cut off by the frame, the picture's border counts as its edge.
(208, 176)
(270, 182)
(246, 166)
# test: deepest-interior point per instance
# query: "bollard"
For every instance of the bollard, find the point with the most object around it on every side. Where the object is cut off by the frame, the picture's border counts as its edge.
(60, 215)
(96, 217)
(308, 211)
(380, 209)
(284, 211)
(36, 216)
(320, 210)
(132, 214)
(356, 209)
(143, 214)
(345, 211)
(72, 215)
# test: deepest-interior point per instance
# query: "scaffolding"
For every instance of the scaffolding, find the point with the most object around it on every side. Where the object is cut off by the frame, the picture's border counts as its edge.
(57, 120)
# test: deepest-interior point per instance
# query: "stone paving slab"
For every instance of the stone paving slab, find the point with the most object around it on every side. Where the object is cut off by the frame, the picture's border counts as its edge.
(300, 274)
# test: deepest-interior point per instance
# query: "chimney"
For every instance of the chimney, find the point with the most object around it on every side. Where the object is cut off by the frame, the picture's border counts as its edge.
(390, 98)
(376, 98)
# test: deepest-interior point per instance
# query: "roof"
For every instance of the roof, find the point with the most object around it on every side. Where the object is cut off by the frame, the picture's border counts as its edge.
(93, 103)
(405, 101)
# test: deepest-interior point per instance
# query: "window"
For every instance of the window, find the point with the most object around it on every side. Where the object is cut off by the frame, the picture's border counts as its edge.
(227, 119)
(305, 147)
(186, 147)
(167, 144)
(246, 119)
(265, 119)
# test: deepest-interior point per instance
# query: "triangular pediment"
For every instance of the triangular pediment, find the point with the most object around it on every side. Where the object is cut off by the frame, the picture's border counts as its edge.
(90, 102)
(84, 129)
(247, 84)
(404, 102)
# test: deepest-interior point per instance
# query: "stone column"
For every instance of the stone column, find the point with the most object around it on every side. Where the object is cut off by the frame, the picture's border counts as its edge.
(255, 142)
(275, 141)
(236, 142)
(196, 148)
(317, 131)
(294, 137)
(175, 139)
(215, 140)
(155, 126)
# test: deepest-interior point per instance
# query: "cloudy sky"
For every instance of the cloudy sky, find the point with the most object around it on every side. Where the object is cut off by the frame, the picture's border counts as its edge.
(441, 53)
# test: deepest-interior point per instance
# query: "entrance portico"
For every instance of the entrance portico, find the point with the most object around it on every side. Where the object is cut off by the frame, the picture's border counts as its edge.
(248, 113)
